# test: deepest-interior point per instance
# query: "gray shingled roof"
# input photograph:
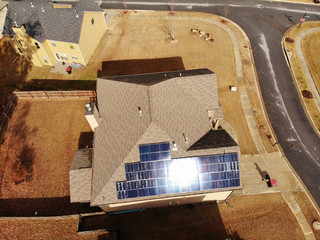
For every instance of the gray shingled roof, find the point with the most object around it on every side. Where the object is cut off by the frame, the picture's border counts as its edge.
(171, 104)
(42, 21)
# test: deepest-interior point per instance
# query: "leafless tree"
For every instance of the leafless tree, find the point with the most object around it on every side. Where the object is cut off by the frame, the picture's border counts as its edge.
(169, 25)
(171, 6)
(109, 14)
(125, 4)
(226, 11)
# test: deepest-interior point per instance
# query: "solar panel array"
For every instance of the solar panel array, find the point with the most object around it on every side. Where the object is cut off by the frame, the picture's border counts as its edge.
(158, 174)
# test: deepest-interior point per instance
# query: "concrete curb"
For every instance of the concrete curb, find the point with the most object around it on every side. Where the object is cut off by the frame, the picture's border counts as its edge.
(297, 86)
(296, 82)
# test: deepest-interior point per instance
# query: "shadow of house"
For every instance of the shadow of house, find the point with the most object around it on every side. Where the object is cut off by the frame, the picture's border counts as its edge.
(27, 207)
(56, 84)
(201, 221)
(140, 66)
(85, 140)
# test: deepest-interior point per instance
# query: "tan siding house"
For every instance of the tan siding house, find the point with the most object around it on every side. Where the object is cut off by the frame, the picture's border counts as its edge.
(46, 33)
(157, 142)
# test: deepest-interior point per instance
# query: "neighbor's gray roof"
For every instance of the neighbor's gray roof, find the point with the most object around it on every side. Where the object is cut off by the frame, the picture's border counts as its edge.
(42, 21)
(171, 104)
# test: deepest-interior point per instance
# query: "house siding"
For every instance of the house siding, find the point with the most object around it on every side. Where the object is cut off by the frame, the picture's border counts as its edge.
(167, 201)
(63, 47)
(91, 34)
(28, 47)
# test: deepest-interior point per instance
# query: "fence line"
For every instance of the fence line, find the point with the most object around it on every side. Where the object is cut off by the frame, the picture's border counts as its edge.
(6, 115)
(54, 94)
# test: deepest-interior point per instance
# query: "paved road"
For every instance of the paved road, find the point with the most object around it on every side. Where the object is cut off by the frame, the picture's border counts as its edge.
(265, 24)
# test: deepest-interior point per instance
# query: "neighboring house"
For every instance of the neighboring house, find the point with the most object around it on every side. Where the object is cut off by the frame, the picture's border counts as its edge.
(3, 12)
(46, 33)
(157, 141)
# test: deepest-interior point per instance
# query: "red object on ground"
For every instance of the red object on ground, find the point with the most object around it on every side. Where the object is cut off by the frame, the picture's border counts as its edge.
(273, 182)
(68, 69)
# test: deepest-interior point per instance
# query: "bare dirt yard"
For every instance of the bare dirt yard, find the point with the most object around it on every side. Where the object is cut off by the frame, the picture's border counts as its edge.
(264, 216)
(36, 155)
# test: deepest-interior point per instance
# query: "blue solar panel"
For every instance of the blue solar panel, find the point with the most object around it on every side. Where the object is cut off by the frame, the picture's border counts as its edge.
(154, 152)
(158, 174)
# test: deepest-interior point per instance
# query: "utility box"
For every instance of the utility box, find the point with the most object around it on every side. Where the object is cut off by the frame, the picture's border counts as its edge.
(233, 88)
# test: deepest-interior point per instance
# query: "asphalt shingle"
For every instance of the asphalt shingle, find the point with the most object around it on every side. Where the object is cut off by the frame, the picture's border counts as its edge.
(42, 21)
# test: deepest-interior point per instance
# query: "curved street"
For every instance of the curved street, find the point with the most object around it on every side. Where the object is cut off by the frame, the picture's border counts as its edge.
(265, 24)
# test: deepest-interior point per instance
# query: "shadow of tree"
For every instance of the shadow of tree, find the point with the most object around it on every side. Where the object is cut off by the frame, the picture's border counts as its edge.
(13, 71)
(27, 207)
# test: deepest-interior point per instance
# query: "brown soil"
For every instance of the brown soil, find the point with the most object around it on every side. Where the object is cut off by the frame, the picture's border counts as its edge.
(306, 94)
(289, 40)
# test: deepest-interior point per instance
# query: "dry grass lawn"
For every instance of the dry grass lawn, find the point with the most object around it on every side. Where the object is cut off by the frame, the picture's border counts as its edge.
(301, 81)
(311, 51)
(39, 145)
(46, 228)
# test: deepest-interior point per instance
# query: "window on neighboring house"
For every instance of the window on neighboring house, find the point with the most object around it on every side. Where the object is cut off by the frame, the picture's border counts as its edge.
(57, 56)
(28, 56)
(53, 43)
(71, 46)
(20, 50)
(45, 59)
(74, 57)
(37, 45)
(92, 21)
(63, 56)
(20, 43)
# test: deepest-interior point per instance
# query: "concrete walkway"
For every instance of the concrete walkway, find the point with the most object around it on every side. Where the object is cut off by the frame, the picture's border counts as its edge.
(304, 65)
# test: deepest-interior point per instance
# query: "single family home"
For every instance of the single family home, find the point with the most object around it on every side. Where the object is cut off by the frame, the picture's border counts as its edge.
(46, 33)
(159, 139)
